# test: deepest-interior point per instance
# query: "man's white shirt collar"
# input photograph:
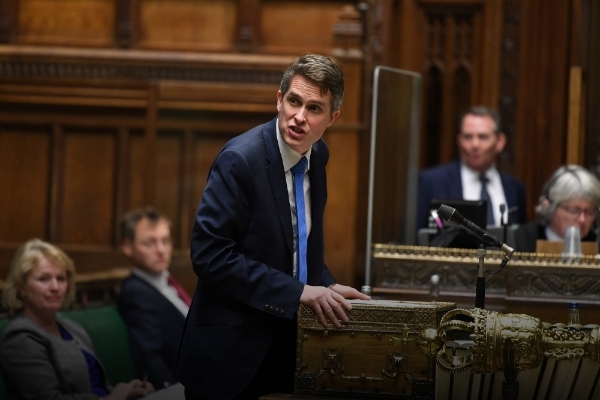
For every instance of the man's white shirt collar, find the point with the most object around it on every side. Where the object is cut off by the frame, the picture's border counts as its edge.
(160, 283)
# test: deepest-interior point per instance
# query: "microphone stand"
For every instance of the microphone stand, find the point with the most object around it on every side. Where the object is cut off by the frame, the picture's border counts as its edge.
(503, 222)
(480, 288)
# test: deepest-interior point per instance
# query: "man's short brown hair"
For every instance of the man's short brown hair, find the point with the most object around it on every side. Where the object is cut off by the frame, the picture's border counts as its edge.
(132, 218)
(320, 70)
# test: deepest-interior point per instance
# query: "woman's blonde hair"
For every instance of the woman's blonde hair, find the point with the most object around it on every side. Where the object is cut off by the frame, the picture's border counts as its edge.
(25, 260)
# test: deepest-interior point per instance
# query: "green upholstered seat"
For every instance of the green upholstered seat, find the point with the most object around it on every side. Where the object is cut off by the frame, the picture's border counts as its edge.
(109, 335)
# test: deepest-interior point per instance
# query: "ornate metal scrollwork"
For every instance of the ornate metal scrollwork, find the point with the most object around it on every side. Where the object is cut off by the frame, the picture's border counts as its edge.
(491, 332)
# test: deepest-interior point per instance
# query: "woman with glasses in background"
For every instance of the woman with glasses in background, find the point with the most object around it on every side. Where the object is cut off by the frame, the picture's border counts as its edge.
(570, 198)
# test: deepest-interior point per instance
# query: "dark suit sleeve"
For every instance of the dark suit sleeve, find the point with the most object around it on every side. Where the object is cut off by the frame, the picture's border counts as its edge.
(237, 232)
(522, 203)
(138, 308)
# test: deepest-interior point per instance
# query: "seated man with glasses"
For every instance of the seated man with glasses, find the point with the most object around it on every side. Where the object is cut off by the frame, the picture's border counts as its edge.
(570, 198)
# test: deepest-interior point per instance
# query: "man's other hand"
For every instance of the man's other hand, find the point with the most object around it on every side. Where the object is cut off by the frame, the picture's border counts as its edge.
(330, 304)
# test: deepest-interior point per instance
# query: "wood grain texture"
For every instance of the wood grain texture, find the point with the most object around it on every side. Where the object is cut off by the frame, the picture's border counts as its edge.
(67, 22)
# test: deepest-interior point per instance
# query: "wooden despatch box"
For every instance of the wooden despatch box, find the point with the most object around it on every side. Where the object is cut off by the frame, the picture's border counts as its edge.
(375, 355)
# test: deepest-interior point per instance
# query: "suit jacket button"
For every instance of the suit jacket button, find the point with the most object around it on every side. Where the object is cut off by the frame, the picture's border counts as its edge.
(281, 312)
(266, 306)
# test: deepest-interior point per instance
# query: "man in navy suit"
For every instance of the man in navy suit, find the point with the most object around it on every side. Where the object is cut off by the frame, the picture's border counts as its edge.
(480, 141)
(240, 335)
(153, 304)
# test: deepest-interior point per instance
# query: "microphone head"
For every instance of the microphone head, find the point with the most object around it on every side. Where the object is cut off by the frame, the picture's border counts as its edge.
(446, 212)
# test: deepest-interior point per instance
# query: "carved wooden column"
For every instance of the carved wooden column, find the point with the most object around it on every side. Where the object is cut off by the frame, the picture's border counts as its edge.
(249, 14)
(344, 139)
(127, 14)
(8, 20)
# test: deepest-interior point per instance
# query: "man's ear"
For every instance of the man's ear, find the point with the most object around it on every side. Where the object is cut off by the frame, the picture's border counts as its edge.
(334, 116)
(127, 247)
(501, 142)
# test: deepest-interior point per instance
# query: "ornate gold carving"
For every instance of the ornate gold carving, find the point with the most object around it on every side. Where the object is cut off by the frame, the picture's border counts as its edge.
(381, 317)
(491, 332)
(544, 277)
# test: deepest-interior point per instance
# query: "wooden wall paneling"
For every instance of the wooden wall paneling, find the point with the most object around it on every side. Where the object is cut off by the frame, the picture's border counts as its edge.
(187, 201)
(575, 132)
(208, 25)
(127, 23)
(205, 149)
(488, 63)
(56, 184)
(24, 172)
(67, 23)
(88, 196)
(169, 184)
(542, 93)
(591, 65)
(151, 143)
(137, 180)
(122, 173)
(282, 32)
(433, 87)
(509, 79)
(216, 96)
(340, 214)
(248, 21)
(8, 21)
(340, 220)
(447, 30)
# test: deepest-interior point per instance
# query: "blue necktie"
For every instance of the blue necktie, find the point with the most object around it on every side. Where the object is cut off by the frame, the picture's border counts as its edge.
(486, 196)
(298, 170)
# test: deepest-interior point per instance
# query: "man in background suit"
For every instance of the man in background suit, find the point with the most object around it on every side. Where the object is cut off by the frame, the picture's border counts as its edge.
(480, 141)
(153, 304)
(248, 244)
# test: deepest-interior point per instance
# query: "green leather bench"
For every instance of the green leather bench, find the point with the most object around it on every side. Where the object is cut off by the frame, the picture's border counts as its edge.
(109, 334)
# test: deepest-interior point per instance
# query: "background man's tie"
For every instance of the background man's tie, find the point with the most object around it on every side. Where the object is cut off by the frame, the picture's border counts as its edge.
(299, 170)
(486, 196)
(183, 295)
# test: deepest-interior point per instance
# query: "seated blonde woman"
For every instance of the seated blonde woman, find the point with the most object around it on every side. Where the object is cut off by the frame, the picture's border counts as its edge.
(44, 356)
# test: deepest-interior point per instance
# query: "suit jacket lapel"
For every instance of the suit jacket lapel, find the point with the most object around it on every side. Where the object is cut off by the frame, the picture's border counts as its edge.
(455, 181)
(277, 181)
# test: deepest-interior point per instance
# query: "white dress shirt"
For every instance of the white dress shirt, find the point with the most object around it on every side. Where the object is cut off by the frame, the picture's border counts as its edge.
(159, 281)
(471, 186)
(290, 158)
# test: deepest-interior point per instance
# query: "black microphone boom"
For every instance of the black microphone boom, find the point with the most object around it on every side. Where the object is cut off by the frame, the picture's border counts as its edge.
(455, 218)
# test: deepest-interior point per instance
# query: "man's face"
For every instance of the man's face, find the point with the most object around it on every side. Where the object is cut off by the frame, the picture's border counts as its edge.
(151, 248)
(304, 114)
(478, 144)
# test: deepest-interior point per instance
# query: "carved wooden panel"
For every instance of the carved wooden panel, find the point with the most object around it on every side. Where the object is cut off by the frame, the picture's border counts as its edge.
(87, 200)
(298, 26)
(24, 170)
(451, 75)
(187, 25)
(67, 22)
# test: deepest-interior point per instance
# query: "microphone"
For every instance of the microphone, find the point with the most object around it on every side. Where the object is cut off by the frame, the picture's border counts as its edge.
(455, 218)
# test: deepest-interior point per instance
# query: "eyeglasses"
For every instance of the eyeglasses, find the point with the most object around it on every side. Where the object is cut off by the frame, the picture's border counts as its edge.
(576, 211)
